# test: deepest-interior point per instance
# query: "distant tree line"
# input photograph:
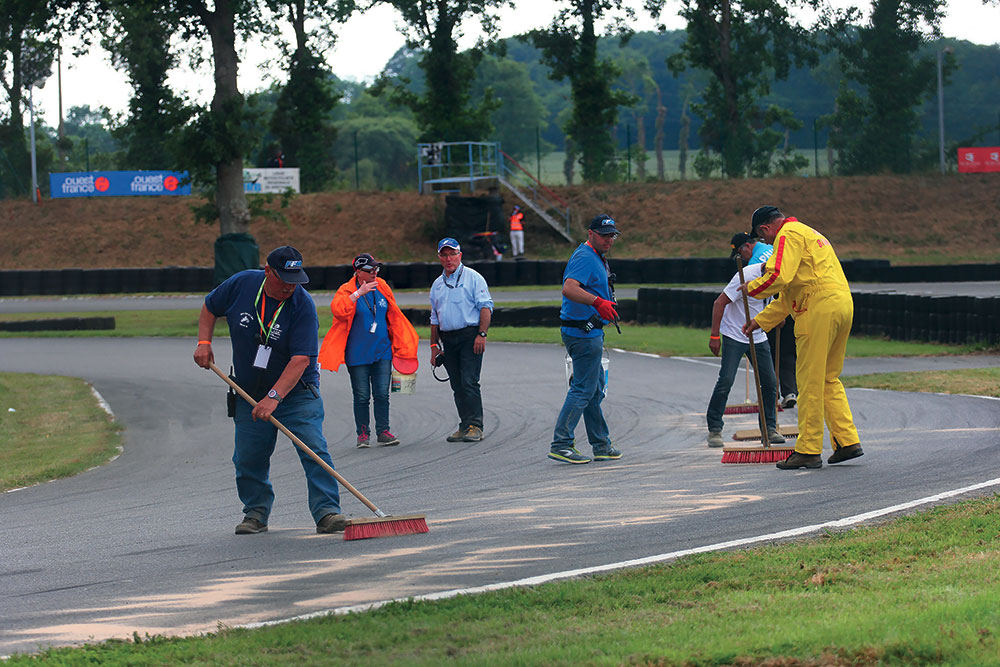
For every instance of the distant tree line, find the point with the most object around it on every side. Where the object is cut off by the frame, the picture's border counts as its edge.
(734, 93)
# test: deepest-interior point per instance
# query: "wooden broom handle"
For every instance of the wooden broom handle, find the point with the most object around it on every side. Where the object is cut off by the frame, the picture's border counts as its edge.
(298, 443)
(753, 359)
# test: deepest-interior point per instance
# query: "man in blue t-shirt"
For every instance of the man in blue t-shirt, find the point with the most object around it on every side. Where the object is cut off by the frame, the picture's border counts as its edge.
(587, 306)
(273, 330)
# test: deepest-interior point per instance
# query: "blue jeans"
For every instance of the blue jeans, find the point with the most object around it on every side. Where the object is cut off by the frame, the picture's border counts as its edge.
(586, 391)
(302, 414)
(369, 380)
(733, 352)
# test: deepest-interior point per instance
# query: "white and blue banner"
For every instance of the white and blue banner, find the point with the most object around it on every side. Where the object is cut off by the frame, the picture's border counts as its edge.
(118, 183)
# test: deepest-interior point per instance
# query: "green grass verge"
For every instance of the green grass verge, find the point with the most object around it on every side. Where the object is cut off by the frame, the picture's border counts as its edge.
(56, 429)
(662, 340)
(920, 590)
(976, 381)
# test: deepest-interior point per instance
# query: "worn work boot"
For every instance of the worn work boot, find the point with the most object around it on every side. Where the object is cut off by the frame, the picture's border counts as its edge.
(774, 437)
(846, 453)
(715, 439)
(251, 526)
(473, 434)
(331, 523)
(796, 461)
(459, 435)
(386, 439)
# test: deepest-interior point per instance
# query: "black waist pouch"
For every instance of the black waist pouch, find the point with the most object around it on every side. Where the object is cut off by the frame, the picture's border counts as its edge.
(231, 399)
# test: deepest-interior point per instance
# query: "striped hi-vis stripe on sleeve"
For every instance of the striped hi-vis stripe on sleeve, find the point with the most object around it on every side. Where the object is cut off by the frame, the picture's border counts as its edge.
(778, 252)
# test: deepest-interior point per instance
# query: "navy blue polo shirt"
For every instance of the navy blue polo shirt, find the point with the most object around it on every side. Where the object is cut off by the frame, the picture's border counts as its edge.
(295, 331)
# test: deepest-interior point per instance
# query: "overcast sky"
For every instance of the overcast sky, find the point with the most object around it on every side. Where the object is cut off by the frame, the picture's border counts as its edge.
(367, 41)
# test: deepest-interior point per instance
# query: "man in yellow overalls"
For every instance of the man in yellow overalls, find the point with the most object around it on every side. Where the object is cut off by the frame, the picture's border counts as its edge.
(805, 270)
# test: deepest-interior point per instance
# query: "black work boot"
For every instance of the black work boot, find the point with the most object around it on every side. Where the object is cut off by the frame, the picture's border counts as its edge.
(846, 453)
(796, 461)
(251, 526)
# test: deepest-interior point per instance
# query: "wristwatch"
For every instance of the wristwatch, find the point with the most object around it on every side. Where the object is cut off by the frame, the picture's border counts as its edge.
(483, 334)
(275, 395)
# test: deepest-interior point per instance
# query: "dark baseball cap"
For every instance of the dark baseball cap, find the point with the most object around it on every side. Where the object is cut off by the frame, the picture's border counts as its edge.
(287, 263)
(603, 224)
(737, 243)
(365, 262)
(762, 216)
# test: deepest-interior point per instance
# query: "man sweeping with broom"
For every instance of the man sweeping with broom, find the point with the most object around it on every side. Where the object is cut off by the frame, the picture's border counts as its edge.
(817, 296)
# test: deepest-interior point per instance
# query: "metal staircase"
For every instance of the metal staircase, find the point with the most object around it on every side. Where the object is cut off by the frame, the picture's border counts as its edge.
(456, 167)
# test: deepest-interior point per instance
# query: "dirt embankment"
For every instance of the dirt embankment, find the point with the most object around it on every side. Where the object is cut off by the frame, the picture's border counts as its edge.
(908, 220)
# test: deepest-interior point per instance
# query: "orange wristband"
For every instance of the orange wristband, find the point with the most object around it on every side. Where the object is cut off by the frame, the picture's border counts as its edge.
(713, 337)
(204, 342)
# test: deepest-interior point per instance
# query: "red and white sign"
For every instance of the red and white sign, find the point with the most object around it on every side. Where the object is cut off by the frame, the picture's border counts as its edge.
(972, 160)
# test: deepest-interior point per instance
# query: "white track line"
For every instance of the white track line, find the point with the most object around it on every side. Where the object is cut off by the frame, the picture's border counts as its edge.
(673, 555)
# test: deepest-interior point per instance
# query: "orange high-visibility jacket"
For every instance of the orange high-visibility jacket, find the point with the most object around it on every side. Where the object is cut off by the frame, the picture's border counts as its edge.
(402, 334)
(515, 222)
(803, 262)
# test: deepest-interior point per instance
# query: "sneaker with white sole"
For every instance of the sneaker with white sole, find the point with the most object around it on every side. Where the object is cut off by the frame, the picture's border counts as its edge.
(386, 439)
(788, 401)
(364, 439)
(568, 455)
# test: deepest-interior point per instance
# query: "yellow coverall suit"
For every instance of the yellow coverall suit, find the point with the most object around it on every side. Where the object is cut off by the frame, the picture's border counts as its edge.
(814, 291)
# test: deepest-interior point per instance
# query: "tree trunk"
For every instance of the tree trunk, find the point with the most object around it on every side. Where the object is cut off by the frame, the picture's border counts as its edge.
(230, 199)
(640, 142)
(661, 116)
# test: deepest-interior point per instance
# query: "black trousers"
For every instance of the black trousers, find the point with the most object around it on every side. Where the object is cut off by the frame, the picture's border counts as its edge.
(786, 366)
(464, 366)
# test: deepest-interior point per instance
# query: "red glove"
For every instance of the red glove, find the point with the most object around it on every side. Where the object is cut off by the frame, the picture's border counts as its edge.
(606, 309)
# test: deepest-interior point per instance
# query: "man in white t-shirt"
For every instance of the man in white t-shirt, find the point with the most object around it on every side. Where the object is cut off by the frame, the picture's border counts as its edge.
(728, 318)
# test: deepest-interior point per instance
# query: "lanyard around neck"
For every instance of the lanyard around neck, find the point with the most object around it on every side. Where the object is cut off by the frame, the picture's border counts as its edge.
(458, 278)
(262, 298)
(372, 305)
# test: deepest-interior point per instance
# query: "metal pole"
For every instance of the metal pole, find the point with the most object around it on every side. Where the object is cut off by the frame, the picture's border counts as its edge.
(538, 153)
(816, 145)
(357, 177)
(628, 153)
(940, 86)
(34, 168)
(86, 149)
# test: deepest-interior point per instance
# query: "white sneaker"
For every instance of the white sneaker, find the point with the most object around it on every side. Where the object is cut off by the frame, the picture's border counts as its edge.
(789, 401)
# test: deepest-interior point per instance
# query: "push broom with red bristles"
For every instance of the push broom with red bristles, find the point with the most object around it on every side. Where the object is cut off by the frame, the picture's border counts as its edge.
(763, 453)
(747, 407)
(382, 525)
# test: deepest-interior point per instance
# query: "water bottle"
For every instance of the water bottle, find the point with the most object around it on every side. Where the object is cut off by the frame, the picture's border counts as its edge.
(569, 370)
(605, 362)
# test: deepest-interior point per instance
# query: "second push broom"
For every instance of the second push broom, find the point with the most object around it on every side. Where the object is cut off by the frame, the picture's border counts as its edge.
(765, 452)
(357, 529)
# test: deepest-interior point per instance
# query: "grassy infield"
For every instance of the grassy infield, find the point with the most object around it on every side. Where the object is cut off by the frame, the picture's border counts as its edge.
(917, 590)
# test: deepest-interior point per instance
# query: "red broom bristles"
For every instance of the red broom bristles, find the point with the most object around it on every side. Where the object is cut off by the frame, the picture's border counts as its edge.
(762, 455)
(746, 408)
(362, 529)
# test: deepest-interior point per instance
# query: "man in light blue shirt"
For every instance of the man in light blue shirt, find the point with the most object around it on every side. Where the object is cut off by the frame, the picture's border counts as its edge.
(461, 309)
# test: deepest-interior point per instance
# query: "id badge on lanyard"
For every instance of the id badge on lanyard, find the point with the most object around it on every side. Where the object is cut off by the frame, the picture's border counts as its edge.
(263, 350)
(263, 356)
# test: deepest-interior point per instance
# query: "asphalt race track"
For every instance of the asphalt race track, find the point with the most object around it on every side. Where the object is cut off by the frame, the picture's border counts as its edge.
(145, 543)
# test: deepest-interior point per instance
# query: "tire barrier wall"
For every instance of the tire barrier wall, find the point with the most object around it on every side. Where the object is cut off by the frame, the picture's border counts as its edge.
(939, 319)
(60, 324)
(420, 275)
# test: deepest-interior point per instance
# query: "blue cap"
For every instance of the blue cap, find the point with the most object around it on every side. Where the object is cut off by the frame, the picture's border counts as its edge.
(286, 261)
(449, 242)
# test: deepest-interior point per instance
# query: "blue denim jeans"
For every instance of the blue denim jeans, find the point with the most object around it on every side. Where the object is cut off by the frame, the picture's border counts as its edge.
(586, 392)
(733, 352)
(302, 413)
(368, 380)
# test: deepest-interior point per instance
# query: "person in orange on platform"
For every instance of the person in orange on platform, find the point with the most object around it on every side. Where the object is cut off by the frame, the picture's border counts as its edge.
(517, 232)
(805, 269)
(368, 332)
